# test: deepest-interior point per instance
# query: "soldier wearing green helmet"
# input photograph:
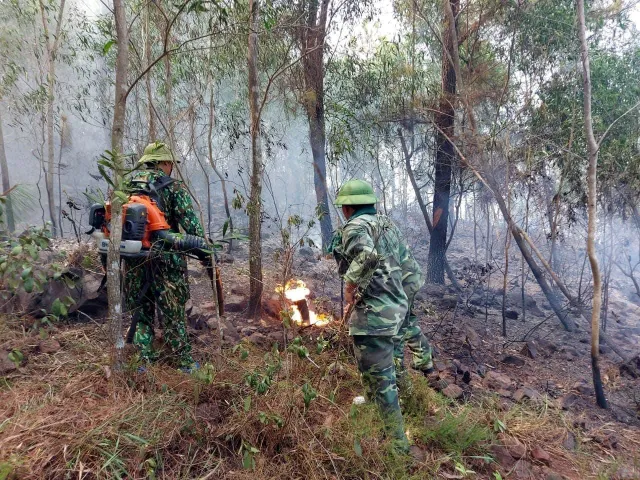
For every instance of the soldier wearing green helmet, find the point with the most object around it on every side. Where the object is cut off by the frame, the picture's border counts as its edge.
(160, 280)
(381, 279)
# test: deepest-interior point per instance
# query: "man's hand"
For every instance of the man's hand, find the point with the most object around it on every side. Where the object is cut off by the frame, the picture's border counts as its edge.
(350, 297)
(350, 292)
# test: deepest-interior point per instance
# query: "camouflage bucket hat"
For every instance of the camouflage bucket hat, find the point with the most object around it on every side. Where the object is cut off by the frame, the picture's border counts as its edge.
(356, 192)
(157, 152)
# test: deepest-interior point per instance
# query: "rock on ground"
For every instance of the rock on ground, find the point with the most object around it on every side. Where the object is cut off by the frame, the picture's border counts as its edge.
(50, 345)
(452, 391)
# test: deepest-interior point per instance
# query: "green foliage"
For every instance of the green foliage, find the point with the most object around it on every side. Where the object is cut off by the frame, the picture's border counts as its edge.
(308, 394)
(261, 379)
(321, 344)
(19, 199)
(108, 45)
(19, 257)
(499, 426)
(112, 169)
(457, 434)
(286, 316)
(248, 453)
(16, 356)
(238, 201)
(464, 471)
(296, 346)
(244, 353)
(206, 374)
(271, 419)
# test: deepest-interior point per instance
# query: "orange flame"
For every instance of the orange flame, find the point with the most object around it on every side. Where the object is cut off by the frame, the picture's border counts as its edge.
(296, 290)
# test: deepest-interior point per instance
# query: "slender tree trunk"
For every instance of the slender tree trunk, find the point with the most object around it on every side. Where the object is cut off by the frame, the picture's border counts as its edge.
(445, 156)
(607, 264)
(584, 264)
(148, 77)
(63, 126)
(192, 130)
(523, 274)
(117, 134)
(169, 93)
(208, 181)
(487, 243)
(592, 149)
(6, 182)
(538, 273)
(312, 38)
(487, 250)
(383, 186)
(475, 225)
(255, 203)
(212, 162)
(507, 244)
(48, 182)
(405, 196)
(554, 220)
(52, 52)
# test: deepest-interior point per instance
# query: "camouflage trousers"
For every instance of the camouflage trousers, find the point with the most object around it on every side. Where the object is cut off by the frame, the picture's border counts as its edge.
(168, 290)
(381, 363)
(411, 335)
(375, 362)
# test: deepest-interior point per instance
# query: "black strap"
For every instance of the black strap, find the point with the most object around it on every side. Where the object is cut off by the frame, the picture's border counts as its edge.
(163, 182)
(155, 188)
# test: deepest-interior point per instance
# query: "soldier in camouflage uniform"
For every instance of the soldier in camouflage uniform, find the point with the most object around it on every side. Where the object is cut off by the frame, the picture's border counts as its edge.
(163, 272)
(381, 278)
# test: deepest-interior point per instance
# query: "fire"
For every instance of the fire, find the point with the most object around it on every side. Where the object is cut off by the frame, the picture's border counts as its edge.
(296, 291)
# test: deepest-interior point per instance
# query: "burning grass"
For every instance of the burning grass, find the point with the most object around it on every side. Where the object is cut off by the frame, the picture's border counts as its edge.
(256, 414)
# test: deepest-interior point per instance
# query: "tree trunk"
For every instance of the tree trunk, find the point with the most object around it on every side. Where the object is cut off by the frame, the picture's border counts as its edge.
(168, 85)
(255, 204)
(487, 250)
(117, 133)
(48, 180)
(592, 149)
(554, 222)
(523, 274)
(147, 78)
(52, 51)
(212, 162)
(63, 126)
(537, 272)
(475, 225)
(445, 156)
(6, 182)
(312, 39)
(507, 244)
(492, 185)
(423, 207)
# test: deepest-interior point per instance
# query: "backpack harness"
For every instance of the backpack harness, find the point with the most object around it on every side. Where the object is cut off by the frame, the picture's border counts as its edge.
(144, 225)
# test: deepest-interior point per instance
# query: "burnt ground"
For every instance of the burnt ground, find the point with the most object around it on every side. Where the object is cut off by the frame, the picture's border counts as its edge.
(537, 362)
(539, 373)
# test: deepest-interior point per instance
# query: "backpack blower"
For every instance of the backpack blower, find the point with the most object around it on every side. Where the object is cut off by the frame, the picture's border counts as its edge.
(144, 226)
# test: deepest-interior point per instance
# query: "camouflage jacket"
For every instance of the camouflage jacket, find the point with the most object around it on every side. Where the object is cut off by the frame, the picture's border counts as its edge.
(176, 205)
(372, 254)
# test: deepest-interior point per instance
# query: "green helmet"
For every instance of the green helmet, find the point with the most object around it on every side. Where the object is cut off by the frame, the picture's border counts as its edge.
(157, 152)
(356, 192)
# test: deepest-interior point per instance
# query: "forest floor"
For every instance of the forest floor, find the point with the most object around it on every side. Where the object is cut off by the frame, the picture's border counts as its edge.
(518, 407)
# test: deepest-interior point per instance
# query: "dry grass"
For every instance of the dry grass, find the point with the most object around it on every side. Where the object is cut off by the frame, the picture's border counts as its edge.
(65, 415)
